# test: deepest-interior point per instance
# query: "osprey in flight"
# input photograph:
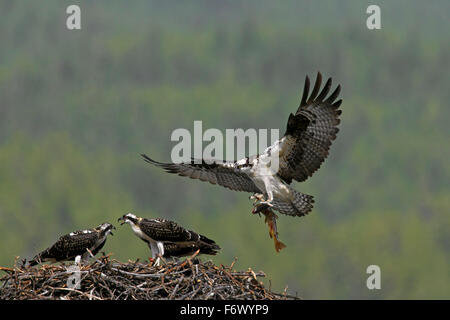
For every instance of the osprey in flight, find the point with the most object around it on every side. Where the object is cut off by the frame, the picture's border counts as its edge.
(168, 239)
(74, 244)
(299, 153)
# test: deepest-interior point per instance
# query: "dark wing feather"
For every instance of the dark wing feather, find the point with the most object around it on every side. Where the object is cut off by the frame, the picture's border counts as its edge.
(188, 248)
(226, 174)
(310, 132)
(166, 230)
(69, 246)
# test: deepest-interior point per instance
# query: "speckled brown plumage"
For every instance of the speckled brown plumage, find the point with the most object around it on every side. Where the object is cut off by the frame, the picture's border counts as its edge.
(68, 246)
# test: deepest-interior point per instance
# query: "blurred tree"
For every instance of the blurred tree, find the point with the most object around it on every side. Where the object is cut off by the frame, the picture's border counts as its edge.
(77, 109)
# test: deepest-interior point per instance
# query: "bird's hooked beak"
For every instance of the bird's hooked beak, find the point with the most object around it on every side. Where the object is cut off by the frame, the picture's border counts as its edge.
(110, 231)
(121, 219)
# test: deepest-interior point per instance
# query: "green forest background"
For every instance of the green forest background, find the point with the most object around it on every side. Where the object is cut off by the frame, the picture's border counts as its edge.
(78, 107)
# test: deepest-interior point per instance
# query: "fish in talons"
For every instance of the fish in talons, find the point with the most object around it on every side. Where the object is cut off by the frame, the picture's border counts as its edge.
(270, 219)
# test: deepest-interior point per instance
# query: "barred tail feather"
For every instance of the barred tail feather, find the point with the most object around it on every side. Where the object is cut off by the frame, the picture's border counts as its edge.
(208, 248)
(301, 204)
(40, 258)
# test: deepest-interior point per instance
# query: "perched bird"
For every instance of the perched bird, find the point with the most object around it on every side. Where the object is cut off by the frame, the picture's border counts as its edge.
(297, 155)
(166, 238)
(75, 244)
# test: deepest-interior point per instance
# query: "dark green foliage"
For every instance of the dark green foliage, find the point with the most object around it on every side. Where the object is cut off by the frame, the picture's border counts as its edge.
(78, 107)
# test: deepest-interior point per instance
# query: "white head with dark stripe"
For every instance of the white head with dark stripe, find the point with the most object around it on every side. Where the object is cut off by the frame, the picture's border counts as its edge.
(105, 229)
(129, 218)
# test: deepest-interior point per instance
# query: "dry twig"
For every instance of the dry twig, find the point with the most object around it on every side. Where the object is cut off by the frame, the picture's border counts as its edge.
(108, 279)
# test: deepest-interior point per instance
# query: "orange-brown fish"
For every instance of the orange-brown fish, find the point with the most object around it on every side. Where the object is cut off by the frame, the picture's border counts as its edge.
(270, 219)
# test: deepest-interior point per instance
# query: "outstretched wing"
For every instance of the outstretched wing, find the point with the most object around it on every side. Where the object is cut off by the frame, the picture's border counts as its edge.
(310, 132)
(227, 174)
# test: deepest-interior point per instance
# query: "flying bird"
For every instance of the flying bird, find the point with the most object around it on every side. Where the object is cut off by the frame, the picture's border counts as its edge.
(297, 155)
(167, 239)
(74, 244)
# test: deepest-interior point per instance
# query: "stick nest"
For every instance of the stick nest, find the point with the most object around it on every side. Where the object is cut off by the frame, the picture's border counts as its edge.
(109, 279)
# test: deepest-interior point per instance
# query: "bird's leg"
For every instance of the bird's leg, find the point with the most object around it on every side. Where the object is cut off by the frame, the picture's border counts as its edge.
(270, 197)
(78, 260)
(160, 254)
(257, 197)
(264, 204)
(154, 249)
(159, 259)
(268, 184)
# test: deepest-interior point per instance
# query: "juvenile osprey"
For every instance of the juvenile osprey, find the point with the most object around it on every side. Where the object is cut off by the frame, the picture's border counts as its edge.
(299, 153)
(74, 244)
(168, 239)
